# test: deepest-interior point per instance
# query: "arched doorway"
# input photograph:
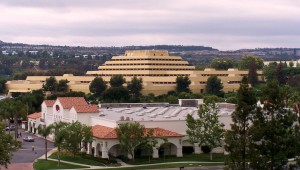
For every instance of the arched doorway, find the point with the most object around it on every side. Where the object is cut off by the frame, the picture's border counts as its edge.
(187, 148)
(143, 150)
(167, 149)
(98, 150)
(115, 151)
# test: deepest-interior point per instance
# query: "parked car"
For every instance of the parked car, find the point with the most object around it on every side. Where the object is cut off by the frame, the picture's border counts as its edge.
(10, 128)
(28, 139)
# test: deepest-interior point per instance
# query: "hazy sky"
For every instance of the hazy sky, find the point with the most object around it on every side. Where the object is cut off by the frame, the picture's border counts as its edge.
(222, 24)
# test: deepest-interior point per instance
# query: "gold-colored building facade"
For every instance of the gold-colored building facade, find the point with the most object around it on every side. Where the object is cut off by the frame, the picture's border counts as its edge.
(157, 68)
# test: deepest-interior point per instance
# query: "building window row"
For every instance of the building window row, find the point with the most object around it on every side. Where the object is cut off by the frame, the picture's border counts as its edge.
(164, 82)
(140, 75)
(208, 75)
(149, 59)
(234, 82)
(151, 64)
(174, 69)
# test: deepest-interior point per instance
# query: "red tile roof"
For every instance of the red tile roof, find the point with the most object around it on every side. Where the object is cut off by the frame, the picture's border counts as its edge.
(159, 132)
(49, 103)
(35, 115)
(103, 132)
(87, 109)
(69, 102)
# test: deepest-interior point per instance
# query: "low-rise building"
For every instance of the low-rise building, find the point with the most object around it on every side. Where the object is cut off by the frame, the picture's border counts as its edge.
(167, 121)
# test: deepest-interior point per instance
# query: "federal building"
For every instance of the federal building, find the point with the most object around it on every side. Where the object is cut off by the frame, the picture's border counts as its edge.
(157, 68)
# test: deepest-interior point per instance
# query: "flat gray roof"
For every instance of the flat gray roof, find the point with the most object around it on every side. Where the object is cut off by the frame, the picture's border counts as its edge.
(154, 113)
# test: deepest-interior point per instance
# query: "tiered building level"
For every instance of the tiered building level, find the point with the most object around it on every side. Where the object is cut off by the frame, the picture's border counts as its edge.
(157, 68)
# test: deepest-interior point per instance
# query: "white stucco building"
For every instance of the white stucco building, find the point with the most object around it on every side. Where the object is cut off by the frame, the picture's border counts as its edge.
(166, 120)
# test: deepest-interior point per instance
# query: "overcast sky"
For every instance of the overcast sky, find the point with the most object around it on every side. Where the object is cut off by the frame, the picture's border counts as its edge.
(222, 24)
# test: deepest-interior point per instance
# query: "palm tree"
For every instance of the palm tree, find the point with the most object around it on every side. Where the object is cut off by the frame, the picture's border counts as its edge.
(59, 133)
(45, 132)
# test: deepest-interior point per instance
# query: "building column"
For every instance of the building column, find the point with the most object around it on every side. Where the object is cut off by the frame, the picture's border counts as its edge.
(95, 150)
(197, 148)
(89, 148)
(179, 152)
(155, 153)
(82, 148)
(28, 126)
(104, 151)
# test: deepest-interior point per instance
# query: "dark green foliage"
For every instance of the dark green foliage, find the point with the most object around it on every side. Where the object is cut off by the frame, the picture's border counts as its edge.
(117, 80)
(280, 74)
(116, 94)
(214, 86)
(7, 146)
(238, 139)
(246, 61)
(270, 71)
(76, 134)
(206, 129)
(222, 63)
(252, 74)
(32, 100)
(98, 86)
(51, 84)
(182, 84)
(2, 86)
(62, 86)
(135, 86)
(12, 110)
(130, 135)
(274, 125)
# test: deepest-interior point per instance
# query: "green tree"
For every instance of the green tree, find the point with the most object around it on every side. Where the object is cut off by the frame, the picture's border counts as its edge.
(62, 86)
(246, 61)
(222, 63)
(77, 134)
(59, 135)
(135, 86)
(130, 135)
(117, 80)
(252, 74)
(45, 132)
(51, 84)
(238, 139)
(206, 129)
(98, 86)
(270, 71)
(2, 86)
(183, 84)
(272, 130)
(214, 86)
(280, 74)
(7, 146)
(13, 110)
(116, 94)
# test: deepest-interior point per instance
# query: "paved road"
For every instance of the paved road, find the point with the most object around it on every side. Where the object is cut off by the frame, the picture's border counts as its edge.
(24, 157)
(25, 153)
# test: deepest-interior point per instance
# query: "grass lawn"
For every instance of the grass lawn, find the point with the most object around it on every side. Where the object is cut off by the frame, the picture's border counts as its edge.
(82, 159)
(173, 165)
(186, 158)
(42, 164)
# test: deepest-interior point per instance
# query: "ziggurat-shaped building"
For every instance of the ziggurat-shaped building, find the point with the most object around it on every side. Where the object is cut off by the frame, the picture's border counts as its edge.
(157, 68)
